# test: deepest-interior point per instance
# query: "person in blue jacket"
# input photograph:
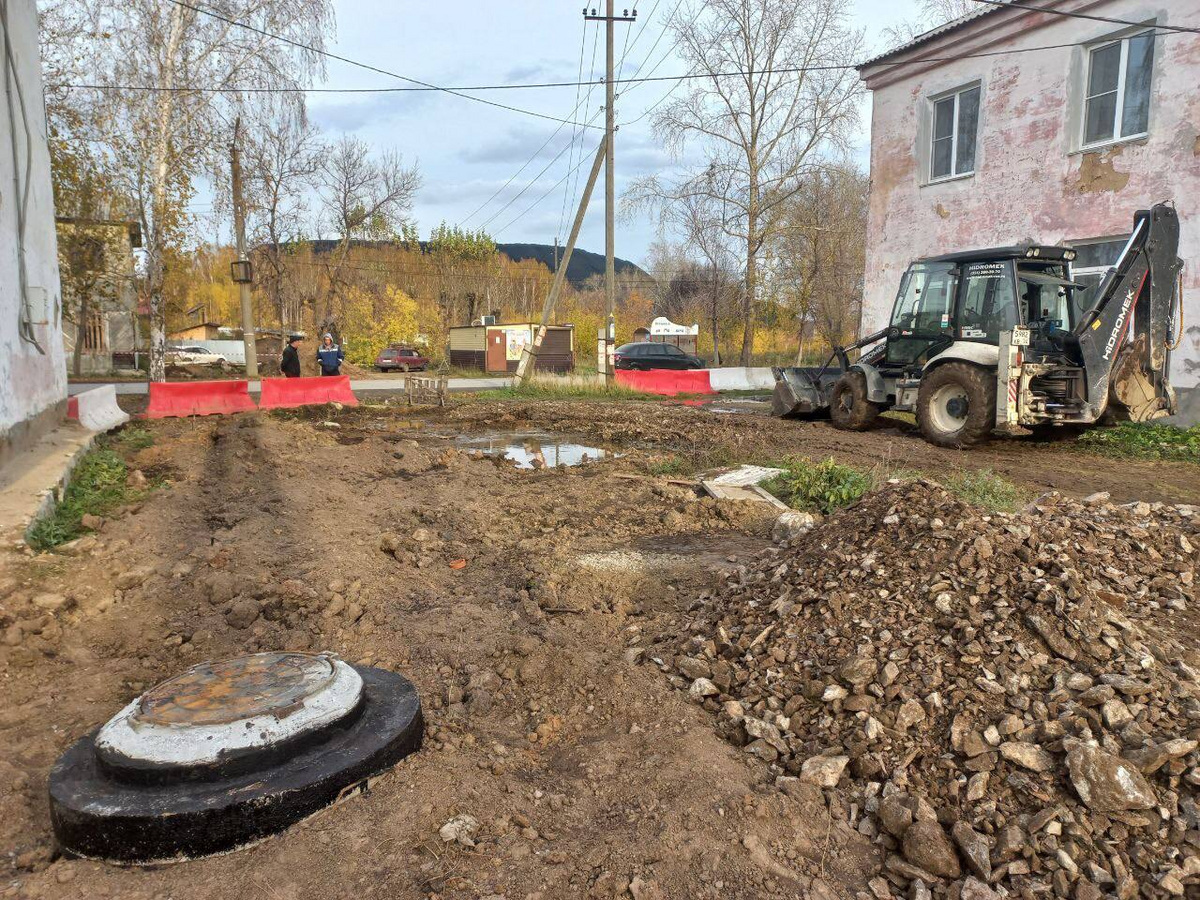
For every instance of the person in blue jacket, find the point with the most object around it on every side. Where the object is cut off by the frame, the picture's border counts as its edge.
(330, 356)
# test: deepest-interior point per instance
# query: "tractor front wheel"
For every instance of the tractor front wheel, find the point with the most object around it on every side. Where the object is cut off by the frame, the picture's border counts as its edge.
(849, 407)
(956, 405)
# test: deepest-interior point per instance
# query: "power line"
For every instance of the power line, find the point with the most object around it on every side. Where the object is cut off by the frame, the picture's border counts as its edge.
(562, 213)
(1021, 4)
(586, 107)
(532, 182)
(498, 190)
(661, 35)
(456, 91)
(354, 62)
(582, 159)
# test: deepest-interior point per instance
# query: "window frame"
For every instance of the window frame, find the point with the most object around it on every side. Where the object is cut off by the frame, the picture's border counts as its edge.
(1090, 50)
(964, 285)
(1094, 271)
(954, 94)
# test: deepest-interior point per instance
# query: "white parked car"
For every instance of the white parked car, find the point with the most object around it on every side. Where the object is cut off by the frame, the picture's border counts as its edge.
(194, 356)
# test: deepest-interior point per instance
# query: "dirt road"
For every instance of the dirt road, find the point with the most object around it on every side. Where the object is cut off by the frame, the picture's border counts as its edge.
(549, 720)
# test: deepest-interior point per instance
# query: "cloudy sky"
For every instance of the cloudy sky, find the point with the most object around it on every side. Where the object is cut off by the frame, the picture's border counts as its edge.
(468, 151)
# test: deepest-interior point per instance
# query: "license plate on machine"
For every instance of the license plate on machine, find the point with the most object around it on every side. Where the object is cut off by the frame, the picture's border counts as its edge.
(1020, 337)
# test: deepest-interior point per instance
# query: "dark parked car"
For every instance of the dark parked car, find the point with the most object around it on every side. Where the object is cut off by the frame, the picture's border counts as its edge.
(650, 355)
(405, 359)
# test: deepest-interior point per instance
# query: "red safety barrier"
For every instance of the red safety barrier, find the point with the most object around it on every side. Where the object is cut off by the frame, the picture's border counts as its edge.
(290, 392)
(198, 398)
(667, 382)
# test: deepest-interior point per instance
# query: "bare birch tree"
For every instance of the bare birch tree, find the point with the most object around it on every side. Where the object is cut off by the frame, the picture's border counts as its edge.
(768, 109)
(819, 254)
(363, 197)
(281, 161)
(175, 71)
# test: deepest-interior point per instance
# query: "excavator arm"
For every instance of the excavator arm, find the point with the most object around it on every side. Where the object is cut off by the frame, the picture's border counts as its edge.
(1124, 338)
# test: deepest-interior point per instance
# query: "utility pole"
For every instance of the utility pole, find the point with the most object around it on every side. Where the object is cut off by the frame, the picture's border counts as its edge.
(556, 254)
(610, 197)
(241, 269)
(529, 355)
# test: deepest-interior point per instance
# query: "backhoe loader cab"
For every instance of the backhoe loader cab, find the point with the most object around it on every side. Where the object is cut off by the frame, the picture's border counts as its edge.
(1008, 322)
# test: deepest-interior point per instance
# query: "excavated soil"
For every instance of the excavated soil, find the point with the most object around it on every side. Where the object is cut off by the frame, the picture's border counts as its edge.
(551, 721)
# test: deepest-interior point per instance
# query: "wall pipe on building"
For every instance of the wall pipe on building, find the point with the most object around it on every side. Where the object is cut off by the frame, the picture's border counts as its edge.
(12, 79)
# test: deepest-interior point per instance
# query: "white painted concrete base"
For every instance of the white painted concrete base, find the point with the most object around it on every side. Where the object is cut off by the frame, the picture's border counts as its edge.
(96, 409)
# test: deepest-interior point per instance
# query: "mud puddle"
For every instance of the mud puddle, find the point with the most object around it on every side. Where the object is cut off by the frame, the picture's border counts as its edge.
(734, 407)
(533, 449)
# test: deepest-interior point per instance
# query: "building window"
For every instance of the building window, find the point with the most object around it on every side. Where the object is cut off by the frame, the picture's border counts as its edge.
(1117, 100)
(95, 332)
(1093, 259)
(955, 123)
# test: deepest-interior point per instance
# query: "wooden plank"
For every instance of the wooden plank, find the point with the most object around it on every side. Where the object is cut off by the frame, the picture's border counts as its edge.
(752, 493)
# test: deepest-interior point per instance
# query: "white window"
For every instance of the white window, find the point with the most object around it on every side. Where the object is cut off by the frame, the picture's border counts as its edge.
(1117, 98)
(955, 123)
(1093, 259)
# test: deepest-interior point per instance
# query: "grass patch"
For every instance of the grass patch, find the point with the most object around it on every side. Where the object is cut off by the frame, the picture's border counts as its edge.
(133, 438)
(985, 488)
(818, 487)
(1144, 440)
(96, 487)
(671, 465)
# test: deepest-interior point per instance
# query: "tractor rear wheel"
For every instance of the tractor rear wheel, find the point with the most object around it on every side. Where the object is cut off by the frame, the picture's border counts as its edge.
(956, 405)
(849, 407)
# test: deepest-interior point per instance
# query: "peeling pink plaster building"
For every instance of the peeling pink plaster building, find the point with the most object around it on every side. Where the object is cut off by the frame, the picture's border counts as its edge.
(1026, 140)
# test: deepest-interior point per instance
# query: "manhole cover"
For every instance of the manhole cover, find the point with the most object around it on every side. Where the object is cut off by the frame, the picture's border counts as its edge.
(223, 692)
(227, 753)
(230, 712)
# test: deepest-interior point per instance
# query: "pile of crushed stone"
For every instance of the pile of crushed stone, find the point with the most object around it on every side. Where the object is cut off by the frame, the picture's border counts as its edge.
(1006, 704)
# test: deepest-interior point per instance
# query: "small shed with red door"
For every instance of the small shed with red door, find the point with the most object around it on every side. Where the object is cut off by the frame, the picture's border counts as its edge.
(497, 348)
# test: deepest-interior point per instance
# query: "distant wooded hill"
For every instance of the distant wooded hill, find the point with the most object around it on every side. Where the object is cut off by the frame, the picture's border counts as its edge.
(584, 263)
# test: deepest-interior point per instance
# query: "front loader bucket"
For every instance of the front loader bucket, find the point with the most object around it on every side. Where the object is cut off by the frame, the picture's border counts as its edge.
(799, 392)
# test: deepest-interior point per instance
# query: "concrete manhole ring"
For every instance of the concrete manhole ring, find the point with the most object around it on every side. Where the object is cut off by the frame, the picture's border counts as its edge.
(141, 799)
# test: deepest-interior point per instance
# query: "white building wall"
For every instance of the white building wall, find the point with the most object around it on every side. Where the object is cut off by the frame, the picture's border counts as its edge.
(32, 381)
(1031, 181)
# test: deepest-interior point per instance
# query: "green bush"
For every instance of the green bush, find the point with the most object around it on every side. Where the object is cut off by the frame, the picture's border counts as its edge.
(1134, 440)
(821, 487)
(985, 488)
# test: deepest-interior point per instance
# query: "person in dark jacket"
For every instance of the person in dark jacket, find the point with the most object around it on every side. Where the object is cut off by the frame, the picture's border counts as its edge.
(289, 363)
(330, 356)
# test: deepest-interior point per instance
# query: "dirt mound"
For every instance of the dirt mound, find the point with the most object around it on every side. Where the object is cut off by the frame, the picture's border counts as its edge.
(1004, 703)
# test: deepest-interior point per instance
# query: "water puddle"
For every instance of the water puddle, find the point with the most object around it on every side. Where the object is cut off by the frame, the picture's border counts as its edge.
(532, 449)
(733, 407)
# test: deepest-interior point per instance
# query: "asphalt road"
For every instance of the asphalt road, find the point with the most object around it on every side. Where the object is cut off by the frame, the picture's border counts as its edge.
(356, 385)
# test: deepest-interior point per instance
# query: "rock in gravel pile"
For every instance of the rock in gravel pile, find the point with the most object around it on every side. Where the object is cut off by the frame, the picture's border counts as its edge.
(1007, 704)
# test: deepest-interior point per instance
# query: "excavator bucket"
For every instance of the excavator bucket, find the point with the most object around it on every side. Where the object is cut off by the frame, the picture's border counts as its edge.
(801, 392)
(1133, 389)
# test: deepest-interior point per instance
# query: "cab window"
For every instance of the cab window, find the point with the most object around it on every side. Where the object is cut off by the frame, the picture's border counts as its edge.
(1046, 295)
(926, 294)
(921, 316)
(989, 302)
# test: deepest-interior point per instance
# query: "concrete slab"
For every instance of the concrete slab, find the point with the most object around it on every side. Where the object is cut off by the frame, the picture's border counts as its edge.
(31, 483)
